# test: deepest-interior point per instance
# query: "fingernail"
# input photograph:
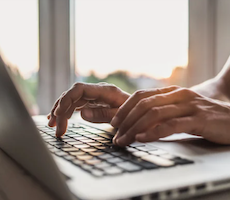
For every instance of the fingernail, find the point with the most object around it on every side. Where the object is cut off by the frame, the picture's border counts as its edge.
(114, 139)
(114, 122)
(88, 113)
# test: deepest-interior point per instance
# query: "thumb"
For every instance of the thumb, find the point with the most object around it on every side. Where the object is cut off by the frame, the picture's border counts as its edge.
(98, 115)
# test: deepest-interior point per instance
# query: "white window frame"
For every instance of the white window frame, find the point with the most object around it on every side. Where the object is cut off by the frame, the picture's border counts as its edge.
(56, 50)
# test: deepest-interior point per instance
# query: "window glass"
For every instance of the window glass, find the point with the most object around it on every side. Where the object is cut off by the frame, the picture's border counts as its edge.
(132, 43)
(19, 45)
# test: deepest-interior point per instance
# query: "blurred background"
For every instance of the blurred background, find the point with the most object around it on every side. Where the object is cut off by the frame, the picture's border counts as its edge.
(50, 44)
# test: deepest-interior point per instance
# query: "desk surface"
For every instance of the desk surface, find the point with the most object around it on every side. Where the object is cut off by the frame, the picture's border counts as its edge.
(15, 184)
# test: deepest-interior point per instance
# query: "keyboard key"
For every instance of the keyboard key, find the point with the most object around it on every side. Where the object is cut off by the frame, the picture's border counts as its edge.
(65, 137)
(140, 153)
(77, 153)
(98, 138)
(168, 156)
(51, 140)
(61, 153)
(69, 157)
(92, 136)
(63, 146)
(87, 167)
(81, 138)
(105, 141)
(50, 146)
(69, 140)
(128, 166)
(130, 149)
(158, 161)
(75, 143)
(105, 135)
(97, 153)
(158, 152)
(89, 149)
(113, 171)
(77, 162)
(100, 147)
(147, 148)
(46, 137)
(56, 142)
(85, 157)
(81, 146)
(95, 131)
(181, 161)
(97, 172)
(103, 165)
(93, 161)
(137, 144)
(70, 149)
(60, 146)
(87, 140)
(147, 165)
(105, 156)
(94, 144)
(118, 153)
(110, 149)
(115, 160)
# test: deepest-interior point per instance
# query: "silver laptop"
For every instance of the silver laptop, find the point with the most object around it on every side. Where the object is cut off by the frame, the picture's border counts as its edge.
(84, 164)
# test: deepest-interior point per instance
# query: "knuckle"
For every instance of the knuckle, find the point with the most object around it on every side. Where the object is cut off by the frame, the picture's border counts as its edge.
(143, 104)
(154, 112)
(112, 87)
(175, 87)
(187, 93)
(78, 84)
(139, 94)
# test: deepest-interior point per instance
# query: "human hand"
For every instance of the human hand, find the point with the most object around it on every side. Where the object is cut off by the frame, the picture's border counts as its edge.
(146, 118)
(97, 103)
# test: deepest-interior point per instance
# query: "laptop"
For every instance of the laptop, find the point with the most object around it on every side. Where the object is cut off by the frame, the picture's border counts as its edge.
(84, 164)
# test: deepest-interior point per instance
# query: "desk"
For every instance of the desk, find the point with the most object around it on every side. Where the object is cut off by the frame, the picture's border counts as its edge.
(15, 184)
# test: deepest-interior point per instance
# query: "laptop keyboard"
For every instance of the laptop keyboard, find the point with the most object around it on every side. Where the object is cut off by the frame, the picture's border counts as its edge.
(92, 150)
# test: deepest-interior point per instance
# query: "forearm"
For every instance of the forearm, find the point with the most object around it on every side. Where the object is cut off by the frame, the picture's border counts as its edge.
(218, 87)
(213, 88)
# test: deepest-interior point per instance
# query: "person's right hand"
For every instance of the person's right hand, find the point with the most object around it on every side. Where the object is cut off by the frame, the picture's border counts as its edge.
(97, 103)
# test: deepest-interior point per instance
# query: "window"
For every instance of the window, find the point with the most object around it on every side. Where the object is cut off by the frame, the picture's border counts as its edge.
(133, 44)
(19, 45)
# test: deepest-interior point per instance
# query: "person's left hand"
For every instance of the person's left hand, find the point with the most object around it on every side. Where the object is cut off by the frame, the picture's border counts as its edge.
(146, 119)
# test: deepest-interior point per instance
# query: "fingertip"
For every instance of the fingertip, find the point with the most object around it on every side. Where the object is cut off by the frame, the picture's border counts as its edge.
(115, 122)
(87, 113)
(122, 141)
(48, 116)
(52, 122)
(141, 137)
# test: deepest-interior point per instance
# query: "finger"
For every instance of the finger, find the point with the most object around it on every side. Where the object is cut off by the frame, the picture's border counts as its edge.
(76, 106)
(48, 116)
(143, 106)
(177, 125)
(101, 92)
(62, 123)
(152, 118)
(133, 100)
(98, 115)
(52, 119)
